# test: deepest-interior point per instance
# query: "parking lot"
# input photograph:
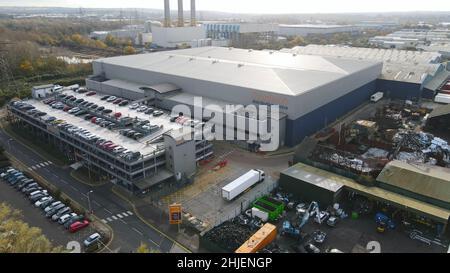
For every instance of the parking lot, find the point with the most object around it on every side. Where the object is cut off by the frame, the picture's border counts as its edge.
(35, 217)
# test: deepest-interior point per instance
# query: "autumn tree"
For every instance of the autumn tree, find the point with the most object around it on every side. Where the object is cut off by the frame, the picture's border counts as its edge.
(17, 236)
(110, 40)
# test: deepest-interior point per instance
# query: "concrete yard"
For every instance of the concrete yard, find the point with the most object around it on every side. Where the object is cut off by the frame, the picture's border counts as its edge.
(203, 198)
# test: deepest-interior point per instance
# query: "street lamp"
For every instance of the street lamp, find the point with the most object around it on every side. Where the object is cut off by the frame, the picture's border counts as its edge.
(89, 201)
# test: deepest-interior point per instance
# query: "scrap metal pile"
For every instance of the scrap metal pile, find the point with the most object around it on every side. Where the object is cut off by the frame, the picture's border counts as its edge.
(421, 147)
(229, 235)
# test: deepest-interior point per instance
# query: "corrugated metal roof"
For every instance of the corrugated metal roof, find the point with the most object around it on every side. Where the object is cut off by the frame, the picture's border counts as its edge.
(274, 72)
(440, 111)
(398, 65)
(426, 180)
(298, 172)
(405, 202)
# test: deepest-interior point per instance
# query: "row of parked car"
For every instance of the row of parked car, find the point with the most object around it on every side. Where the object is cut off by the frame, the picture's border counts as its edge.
(146, 110)
(115, 100)
(53, 209)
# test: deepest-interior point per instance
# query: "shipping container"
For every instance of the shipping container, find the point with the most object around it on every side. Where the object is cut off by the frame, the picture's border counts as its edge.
(263, 237)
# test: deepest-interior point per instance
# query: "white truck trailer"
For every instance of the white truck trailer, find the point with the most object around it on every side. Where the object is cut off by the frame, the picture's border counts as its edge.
(242, 183)
(376, 97)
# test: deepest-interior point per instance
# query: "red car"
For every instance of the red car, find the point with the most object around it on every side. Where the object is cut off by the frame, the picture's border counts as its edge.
(67, 108)
(92, 93)
(94, 119)
(118, 115)
(117, 101)
(78, 225)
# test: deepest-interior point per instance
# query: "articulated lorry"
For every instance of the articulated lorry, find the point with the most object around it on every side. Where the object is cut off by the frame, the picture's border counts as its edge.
(242, 183)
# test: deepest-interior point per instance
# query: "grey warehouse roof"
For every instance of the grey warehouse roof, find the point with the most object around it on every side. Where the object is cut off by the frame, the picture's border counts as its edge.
(398, 65)
(274, 72)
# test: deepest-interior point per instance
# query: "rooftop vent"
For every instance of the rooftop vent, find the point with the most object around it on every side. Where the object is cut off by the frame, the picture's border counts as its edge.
(215, 61)
(240, 65)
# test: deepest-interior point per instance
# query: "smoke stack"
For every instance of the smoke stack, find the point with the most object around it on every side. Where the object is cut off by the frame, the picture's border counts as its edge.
(167, 13)
(193, 14)
(180, 13)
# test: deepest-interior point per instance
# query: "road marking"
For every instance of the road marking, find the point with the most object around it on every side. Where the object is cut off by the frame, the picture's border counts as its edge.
(33, 167)
(138, 231)
(108, 211)
(130, 213)
(120, 216)
(123, 221)
(104, 221)
(50, 162)
(29, 168)
(95, 202)
(114, 217)
(154, 242)
(109, 219)
(42, 165)
(125, 214)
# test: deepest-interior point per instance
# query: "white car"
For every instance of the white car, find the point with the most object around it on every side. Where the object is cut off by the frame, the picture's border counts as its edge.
(111, 99)
(92, 239)
(66, 217)
(142, 109)
(52, 205)
(134, 106)
(44, 199)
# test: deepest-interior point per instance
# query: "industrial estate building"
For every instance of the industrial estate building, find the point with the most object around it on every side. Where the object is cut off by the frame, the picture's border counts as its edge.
(312, 91)
(417, 189)
(308, 29)
(241, 35)
(406, 74)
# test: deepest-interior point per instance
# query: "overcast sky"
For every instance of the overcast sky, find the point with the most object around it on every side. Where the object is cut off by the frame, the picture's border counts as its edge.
(254, 6)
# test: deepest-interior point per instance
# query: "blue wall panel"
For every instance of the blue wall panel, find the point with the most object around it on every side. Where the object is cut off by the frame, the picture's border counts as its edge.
(399, 90)
(297, 130)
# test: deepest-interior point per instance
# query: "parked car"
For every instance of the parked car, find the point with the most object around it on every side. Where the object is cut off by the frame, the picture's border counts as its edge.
(105, 97)
(134, 106)
(73, 220)
(118, 115)
(51, 206)
(107, 111)
(66, 217)
(38, 196)
(117, 101)
(61, 212)
(123, 103)
(142, 109)
(91, 93)
(92, 239)
(42, 201)
(78, 225)
(54, 210)
(111, 99)
(158, 113)
(101, 108)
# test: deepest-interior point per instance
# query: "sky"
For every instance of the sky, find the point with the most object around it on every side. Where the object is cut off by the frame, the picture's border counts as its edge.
(254, 6)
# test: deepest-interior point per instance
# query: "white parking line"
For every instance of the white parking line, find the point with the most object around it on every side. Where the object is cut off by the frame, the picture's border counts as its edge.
(50, 162)
(125, 214)
(138, 231)
(123, 221)
(114, 217)
(95, 202)
(42, 165)
(34, 167)
(120, 216)
(104, 221)
(130, 213)
(109, 219)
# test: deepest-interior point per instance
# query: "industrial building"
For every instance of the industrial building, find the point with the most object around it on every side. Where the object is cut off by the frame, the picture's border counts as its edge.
(155, 153)
(436, 40)
(312, 91)
(406, 74)
(173, 35)
(241, 35)
(309, 29)
(417, 189)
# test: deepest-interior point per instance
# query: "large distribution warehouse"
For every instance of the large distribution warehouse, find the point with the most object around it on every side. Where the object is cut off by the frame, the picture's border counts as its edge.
(312, 91)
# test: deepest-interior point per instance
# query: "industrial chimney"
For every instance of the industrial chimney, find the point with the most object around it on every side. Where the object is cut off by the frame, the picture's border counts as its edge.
(193, 14)
(167, 13)
(180, 13)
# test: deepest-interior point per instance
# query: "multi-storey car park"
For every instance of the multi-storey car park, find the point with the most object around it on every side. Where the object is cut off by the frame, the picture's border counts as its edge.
(131, 148)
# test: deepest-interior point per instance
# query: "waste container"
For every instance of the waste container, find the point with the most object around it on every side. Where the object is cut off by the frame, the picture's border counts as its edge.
(355, 215)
